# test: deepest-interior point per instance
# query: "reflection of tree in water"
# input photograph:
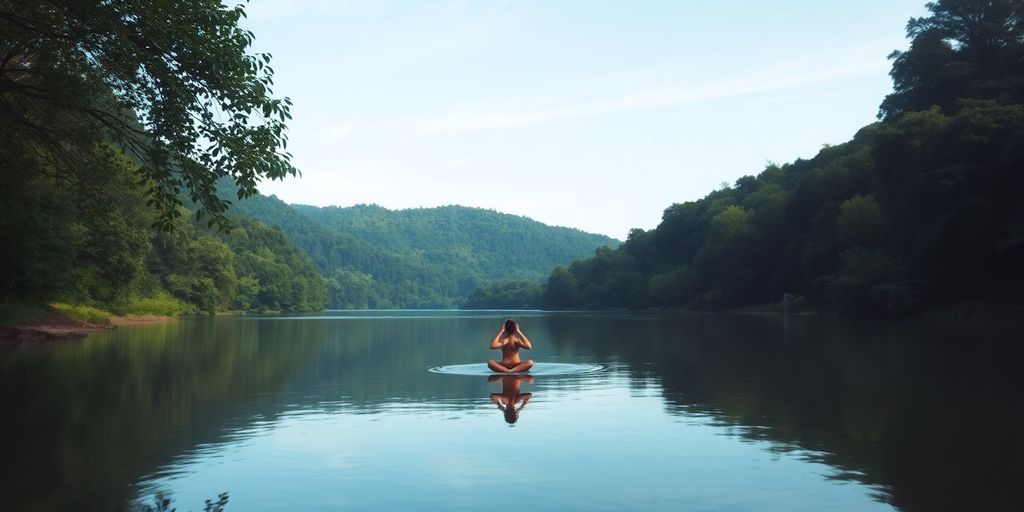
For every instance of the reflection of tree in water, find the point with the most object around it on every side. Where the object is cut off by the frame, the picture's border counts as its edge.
(95, 416)
(927, 413)
(161, 503)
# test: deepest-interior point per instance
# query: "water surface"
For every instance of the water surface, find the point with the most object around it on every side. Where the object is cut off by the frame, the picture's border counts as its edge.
(684, 411)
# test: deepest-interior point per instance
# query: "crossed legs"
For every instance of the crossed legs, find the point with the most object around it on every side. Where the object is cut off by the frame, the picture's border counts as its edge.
(517, 368)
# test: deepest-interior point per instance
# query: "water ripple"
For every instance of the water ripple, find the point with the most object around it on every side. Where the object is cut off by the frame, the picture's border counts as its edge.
(538, 369)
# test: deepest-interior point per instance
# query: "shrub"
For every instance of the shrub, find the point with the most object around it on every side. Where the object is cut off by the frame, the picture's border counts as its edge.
(83, 313)
(870, 282)
(160, 304)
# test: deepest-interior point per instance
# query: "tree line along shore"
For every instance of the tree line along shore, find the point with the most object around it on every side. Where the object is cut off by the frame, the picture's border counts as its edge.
(124, 200)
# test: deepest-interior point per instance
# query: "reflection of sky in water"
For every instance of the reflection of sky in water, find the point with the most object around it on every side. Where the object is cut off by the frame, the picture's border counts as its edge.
(593, 443)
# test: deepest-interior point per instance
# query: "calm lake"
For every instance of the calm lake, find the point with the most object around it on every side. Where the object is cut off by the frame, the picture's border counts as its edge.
(683, 412)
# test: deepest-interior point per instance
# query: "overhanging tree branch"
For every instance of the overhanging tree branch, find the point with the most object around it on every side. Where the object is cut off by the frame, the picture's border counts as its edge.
(166, 64)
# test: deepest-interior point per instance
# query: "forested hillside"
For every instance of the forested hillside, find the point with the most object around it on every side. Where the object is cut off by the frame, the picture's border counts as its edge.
(921, 209)
(373, 257)
(66, 242)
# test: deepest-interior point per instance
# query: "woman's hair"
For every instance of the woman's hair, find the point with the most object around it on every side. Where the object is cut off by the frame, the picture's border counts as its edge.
(510, 326)
(511, 414)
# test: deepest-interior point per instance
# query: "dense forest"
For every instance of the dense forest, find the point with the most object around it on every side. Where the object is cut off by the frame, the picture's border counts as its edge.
(110, 155)
(373, 257)
(921, 209)
(65, 242)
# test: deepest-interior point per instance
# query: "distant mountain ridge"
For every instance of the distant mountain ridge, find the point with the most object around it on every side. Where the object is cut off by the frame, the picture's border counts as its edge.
(374, 257)
(507, 246)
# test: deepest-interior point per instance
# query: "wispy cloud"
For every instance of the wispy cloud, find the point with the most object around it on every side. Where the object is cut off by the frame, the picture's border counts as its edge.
(789, 98)
(337, 132)
(464, 119)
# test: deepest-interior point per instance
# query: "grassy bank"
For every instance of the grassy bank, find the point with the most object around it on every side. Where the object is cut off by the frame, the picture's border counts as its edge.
(86, 314)
(64, 316)
(159, 305)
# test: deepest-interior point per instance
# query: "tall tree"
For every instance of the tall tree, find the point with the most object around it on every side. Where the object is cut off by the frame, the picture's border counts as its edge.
(172, 83)
(964, 49)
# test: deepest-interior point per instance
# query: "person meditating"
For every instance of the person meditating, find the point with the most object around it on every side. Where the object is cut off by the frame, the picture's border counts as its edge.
(510, 339)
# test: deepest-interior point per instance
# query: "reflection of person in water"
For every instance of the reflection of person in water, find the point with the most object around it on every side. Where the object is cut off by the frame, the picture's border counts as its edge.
(510, 339)
(510, 395)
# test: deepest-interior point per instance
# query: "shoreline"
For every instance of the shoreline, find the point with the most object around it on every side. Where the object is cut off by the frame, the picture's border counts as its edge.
(55, 327)
(119, 321)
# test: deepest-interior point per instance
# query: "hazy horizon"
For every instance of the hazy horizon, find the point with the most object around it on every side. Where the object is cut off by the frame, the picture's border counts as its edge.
(595, 116)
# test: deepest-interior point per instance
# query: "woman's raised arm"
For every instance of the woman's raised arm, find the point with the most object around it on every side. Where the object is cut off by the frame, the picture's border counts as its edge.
(523, 340)
(496, 342)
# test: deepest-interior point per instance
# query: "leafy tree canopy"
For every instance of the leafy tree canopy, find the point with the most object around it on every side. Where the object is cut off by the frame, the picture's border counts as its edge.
(964, 49)
(171, 83)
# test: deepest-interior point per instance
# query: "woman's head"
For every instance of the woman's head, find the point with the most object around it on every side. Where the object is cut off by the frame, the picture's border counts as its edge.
(511, 414)
(510, 326)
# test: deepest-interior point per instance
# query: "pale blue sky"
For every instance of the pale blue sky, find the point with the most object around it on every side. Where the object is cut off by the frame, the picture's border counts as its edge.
(590, 114)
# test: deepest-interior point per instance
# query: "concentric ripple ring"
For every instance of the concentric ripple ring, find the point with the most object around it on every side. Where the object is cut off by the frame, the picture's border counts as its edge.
(539, 369)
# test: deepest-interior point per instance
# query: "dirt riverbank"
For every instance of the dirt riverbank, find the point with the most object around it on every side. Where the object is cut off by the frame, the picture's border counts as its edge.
(57, 327)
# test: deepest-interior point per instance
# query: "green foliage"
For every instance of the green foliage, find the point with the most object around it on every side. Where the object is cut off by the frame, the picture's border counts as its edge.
(196, 290)
(34, 228)
(114, 112)
(870, 282)
(15, 313)
(729, 228)
(84, 313)
(674, 287)
(68, 240)
(351, 289)
(282, 276)
(193, 266)
(428, 257)
(964, 49)
(64, 238)
(561, 290)
(251, 267)
(505, 295)
(861, 222)
(170, 82)
(161, 304)
(493, 245)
